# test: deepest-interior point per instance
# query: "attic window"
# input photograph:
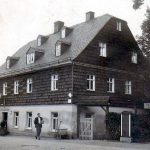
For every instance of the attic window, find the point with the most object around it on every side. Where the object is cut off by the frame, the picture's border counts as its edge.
(102, 49)
(58, 50)
(39, 41)
(8, 63)
(118, 25)
(63, 33)
(134, 58)
(30, 58)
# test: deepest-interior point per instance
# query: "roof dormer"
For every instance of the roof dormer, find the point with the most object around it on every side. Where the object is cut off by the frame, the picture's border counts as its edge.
(33, 54)
(65, 32)
(10, 61)
(61, 47)
(41, 39)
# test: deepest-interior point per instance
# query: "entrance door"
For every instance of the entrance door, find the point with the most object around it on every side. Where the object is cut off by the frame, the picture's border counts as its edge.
(5, 116)
(86, 128)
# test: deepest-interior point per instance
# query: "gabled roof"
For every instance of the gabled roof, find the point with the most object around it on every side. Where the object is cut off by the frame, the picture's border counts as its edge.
(81, 35)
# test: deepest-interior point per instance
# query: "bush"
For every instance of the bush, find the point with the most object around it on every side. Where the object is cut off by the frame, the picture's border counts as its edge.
(113, 121)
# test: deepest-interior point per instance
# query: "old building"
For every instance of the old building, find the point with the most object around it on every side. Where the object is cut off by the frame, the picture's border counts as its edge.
(74, 76)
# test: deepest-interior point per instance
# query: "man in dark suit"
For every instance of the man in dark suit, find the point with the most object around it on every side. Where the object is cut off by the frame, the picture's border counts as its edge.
(38, 121)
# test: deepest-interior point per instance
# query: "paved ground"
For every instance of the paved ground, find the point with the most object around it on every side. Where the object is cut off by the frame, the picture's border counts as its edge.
(29, 143)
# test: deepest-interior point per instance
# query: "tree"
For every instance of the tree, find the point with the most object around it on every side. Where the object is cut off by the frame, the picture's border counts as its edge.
(144, 39)
(137, 4)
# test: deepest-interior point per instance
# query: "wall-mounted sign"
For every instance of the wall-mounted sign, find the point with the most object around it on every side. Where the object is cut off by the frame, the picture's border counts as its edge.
(146, 105)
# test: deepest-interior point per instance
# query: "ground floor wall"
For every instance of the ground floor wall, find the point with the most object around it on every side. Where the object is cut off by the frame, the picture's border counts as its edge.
(99, 118)
(63, 115)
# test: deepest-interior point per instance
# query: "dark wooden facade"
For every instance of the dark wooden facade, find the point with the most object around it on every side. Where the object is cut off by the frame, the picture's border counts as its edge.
(73, 77)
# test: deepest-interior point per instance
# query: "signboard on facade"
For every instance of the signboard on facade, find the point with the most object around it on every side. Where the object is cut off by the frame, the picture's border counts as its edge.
(146, 105)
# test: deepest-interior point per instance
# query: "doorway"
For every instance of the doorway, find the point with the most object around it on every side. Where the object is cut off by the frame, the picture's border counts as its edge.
(4, 116)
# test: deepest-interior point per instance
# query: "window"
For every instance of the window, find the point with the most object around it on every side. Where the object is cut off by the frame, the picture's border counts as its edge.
(54, 121)
(30, 58)
(134, 58)
(102, 49)
(8, 63)
(39, 41)
(118, 26)
(54, 79)
(29, 85)
(58, 50)
(128, 88)
(91, 82)
(29, 120)
(16, 119)
(5, 88)
(111, 85)
(63, 33)
(16, 87)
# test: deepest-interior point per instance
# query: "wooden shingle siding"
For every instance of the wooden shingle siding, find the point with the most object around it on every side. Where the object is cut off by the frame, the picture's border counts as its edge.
(120, 45)
(101, 75)
(41, 93)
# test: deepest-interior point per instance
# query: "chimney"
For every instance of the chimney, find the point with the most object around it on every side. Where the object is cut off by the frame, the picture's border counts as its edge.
(89, 16)
(58, 25)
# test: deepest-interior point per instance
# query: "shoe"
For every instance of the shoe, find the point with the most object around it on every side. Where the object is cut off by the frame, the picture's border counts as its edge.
(39, 138)
(35, 137)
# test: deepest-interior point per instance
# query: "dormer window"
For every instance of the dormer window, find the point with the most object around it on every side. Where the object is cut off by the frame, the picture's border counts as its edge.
(39, 41)
(63, 33)
(102, 49)
(30, 58)
(134, 58)
(8, 63)
(58, 49)
(118, 25)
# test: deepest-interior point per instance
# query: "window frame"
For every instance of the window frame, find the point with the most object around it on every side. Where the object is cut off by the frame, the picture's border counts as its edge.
(119, 26)
(111, 85)
(58, 50)
(7, 63)
(54, 81)
(54, 129)
(29, 120)
(91, 80)
(16, 87)
(29, 83)
(39, 41)
(102, 49)
(30, 58)
(63, 33)
(128, 87)
(16, 120)
(134, 58)
(5, 86)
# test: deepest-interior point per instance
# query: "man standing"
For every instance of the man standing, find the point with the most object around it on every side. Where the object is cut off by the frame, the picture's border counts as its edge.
(38, 121)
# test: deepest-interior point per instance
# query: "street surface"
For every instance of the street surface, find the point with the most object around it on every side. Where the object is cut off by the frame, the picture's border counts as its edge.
(29, 143)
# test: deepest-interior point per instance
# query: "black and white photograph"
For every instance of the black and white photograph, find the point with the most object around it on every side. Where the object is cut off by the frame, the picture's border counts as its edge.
(74, 74)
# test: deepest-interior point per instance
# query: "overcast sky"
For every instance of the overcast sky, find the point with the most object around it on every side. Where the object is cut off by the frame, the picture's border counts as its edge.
(22, 20)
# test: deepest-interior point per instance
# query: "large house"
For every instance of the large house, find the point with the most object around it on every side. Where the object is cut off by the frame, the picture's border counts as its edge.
(74, 77)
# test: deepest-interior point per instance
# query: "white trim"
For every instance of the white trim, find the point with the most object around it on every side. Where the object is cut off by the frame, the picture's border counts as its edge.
(102, 49)
(29, 119)
(129, 125)
(111, 85)
(5, 88)
(29, 83)
(30, 58)
(52, 121)
(91, 82)
(119, 26)
(16, 87)
(128, 87)
(54, 79)
(121, 124)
